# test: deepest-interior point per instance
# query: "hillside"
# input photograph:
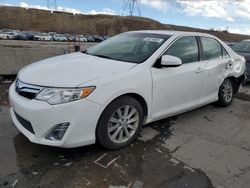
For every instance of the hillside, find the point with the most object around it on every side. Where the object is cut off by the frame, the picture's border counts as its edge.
(42, 20)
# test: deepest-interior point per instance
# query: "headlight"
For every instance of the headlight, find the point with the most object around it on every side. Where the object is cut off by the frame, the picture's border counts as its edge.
(59, 96)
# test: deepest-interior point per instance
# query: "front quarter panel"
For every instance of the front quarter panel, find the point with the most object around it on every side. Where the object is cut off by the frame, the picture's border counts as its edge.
(136, 80)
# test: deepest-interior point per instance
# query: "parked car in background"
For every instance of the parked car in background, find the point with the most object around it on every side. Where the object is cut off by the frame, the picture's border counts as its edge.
(90, 38)
(52, 33)
(98, 38)
(24, 36)
(59, 37)
(105, 37)
(230, 43)
(9, 30)
(71, 38)
(106, 93)
(81, 38)
(243, 48)
(8, 35)
(43, 37)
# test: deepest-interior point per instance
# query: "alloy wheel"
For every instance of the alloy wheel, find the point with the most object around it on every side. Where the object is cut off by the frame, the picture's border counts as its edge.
(227, 90)
(123, 124)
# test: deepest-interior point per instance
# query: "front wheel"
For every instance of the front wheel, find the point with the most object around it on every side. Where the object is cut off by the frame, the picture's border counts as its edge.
(120, 123)
(226, 93)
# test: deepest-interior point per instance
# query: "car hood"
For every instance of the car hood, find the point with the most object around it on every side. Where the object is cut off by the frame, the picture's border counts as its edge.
(70, 70)
(246, 55)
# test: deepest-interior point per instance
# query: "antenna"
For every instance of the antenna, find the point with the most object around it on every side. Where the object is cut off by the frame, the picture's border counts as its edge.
(132, 6)
(52, 4)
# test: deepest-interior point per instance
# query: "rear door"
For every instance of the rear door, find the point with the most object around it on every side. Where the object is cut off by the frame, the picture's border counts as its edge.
(217, 62)
(176, 89)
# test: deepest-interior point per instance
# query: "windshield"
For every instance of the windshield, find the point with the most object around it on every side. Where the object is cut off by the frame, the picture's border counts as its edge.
(243, 46)
(129, 47)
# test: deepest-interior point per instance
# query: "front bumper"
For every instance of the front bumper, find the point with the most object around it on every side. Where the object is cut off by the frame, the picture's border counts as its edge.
(83, 116)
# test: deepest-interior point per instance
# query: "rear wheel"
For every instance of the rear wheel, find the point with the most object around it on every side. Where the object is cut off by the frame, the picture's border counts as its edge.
(120, 123)
(226, 93)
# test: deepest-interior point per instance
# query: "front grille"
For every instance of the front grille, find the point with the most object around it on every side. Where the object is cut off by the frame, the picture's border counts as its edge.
(27, 90)
(26, 124)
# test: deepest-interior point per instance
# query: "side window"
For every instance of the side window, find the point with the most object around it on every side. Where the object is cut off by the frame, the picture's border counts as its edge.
(185, 48)
(211, 48)
(224, 53)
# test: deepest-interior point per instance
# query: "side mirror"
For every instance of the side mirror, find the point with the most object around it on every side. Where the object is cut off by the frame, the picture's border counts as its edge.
(170, 61)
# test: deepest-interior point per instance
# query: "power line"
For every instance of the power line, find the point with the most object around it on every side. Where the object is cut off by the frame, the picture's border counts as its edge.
(131, 6)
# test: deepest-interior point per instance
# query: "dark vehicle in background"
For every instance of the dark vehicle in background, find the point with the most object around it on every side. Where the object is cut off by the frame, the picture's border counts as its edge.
(243, 49)
(25, 36)
(98, 38)
(105, 37)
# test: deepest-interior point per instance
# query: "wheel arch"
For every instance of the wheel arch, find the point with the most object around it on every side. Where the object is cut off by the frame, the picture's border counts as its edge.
(136, 96)
(236, 82)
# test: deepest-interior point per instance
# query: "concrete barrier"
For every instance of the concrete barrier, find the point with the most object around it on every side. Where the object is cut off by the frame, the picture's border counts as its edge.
(12, 59)
(15, 54)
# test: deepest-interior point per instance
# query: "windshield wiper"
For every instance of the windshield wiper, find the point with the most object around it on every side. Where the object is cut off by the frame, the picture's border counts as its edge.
(97, 55)
(102, 56)
(85, 52)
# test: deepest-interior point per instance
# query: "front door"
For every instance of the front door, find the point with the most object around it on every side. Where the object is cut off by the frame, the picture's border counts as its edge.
(177, 89)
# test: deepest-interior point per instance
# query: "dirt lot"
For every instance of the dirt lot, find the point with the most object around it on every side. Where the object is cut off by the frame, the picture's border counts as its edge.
(207, 147)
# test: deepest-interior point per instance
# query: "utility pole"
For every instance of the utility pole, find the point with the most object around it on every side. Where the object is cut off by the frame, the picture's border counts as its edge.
(132, 6)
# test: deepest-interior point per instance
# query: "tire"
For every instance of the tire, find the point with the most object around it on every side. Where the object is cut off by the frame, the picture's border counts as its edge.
(226, 93)
(111, 125)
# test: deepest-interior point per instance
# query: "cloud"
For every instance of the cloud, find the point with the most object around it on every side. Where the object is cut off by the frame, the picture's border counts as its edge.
(6, 4)
(229, 10)
(241, 29)
(62, 9)
(27, 6)
(157, 4)
(103, 11)
(70, 10)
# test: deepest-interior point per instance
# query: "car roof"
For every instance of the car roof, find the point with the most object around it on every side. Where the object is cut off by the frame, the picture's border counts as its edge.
(173, 32)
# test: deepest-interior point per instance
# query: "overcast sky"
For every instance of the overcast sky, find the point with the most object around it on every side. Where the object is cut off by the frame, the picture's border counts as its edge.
(217, 14)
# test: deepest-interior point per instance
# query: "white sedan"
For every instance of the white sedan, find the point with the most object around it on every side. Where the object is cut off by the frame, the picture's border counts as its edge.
(81, 38)
(59, 37)
(43, 37)
(108, 92)
(7, 35)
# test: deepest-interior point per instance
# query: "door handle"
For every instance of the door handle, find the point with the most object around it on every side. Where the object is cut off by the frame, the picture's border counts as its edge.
(199, 70)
